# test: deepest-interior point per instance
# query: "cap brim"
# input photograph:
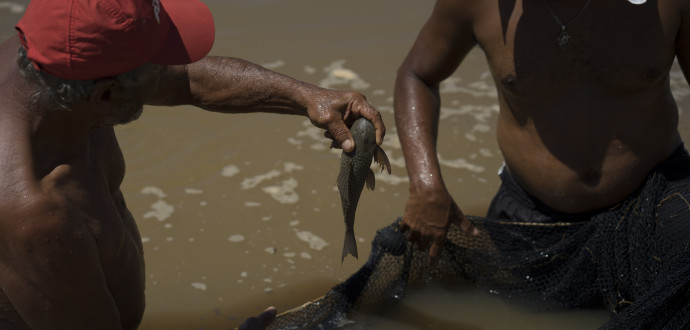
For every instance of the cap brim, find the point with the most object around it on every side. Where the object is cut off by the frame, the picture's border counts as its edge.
(191, 34)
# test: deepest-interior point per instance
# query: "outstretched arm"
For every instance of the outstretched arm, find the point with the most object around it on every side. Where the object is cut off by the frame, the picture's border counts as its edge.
(231, 85)
(441, 45)
(683, 40)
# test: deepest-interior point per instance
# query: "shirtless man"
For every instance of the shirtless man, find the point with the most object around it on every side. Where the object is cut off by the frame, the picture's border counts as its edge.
(586, 110)
(70, 251)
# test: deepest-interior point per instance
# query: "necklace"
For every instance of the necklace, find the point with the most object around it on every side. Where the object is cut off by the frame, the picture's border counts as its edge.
(564, 38)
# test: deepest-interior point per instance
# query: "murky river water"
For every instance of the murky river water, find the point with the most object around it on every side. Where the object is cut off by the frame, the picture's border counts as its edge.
(239, 212)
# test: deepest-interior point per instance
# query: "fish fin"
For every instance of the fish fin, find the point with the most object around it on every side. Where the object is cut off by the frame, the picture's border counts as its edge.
(350, 245)
(381, 158)
(343, 182)
(371, 180)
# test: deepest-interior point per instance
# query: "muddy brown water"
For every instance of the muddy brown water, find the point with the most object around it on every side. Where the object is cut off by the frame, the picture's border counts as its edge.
(239, 212)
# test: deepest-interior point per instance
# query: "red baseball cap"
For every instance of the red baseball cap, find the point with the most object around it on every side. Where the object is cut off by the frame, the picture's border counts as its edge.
(91, 39)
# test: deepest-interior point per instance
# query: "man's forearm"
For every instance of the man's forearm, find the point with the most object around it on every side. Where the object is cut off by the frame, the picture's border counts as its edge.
(417, 107)
(232, 85)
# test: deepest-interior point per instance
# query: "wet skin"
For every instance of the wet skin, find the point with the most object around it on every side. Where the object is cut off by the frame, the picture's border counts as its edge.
(70, 251)
(579, 128)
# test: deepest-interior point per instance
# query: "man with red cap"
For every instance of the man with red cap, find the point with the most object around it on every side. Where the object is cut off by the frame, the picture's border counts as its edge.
(70, 251)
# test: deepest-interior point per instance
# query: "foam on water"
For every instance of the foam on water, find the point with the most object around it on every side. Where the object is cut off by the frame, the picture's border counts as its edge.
(13, 7)
(252, 182)
(236, 238)
(199, 286)
(161, 210)
(284, 193)
(151, 190)
(192, 191)
(230, 171)
(460, 163)
(339, 76)
(315, 242)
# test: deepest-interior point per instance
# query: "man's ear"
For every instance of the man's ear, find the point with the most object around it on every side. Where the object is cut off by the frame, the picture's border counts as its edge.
(106, 95)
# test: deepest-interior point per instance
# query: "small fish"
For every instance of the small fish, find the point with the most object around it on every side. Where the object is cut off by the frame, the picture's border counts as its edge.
(355, 171)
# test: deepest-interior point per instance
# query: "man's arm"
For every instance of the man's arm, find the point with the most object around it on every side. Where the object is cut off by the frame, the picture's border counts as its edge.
(683, 40)
(443, 42)
(232, 85)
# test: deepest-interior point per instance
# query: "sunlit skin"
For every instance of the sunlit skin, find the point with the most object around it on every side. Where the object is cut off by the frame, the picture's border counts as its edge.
(70, 251)
(580, 128)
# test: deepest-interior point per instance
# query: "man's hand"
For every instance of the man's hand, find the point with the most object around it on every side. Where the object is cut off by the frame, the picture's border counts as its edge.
(426, 221)
(260, 322)
(335, 111)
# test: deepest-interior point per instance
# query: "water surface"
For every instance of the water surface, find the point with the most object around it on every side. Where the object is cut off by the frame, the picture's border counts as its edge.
(239, 212)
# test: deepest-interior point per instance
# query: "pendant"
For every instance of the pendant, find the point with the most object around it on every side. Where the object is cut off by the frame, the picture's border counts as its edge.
(563, 40)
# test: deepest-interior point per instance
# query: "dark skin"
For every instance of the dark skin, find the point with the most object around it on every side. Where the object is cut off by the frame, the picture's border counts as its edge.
(70, 251)
(579, 128)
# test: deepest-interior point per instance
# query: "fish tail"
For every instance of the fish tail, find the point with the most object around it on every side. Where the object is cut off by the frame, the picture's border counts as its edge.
(350, 245)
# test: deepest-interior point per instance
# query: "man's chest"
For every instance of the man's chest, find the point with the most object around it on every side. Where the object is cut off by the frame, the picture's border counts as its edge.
(535, 49)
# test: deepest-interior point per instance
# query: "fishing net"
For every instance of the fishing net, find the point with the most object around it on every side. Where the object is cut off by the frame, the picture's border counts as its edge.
(633, 259)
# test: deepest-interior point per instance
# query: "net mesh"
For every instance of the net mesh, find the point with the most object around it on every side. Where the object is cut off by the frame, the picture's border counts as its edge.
(633, 260)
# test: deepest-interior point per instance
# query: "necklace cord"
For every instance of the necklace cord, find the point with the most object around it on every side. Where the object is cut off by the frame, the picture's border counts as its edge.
(563, 26)
(564, 38)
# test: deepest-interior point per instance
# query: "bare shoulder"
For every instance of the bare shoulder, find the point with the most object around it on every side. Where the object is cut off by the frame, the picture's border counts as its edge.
(444, 40)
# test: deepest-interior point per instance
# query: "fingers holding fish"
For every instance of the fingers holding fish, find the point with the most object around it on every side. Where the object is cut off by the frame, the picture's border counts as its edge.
(361, 108)
(374, 116)
(336, 111)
